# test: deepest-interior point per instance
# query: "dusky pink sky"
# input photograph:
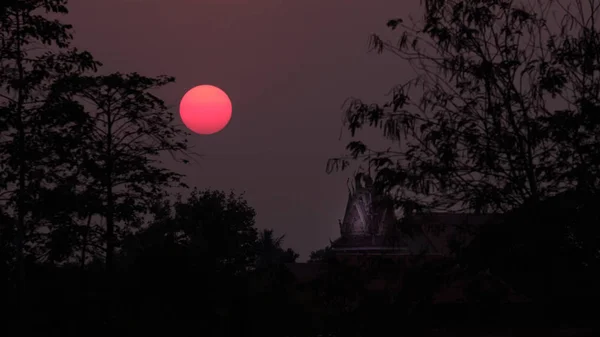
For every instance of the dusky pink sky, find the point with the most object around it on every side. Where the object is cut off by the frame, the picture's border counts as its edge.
(287, 65)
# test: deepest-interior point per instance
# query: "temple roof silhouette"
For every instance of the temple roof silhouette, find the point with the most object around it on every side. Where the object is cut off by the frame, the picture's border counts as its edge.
(370, 225)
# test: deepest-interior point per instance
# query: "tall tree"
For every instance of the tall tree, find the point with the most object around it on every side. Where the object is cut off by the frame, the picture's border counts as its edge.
(220, 226)
(215, 229)
(127, 129)
(502, 111)
(205, 244)
(34, 52)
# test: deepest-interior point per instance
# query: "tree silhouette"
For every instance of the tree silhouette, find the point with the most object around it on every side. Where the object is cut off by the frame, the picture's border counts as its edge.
(501, 117)
(270, 251)
(501, 111)
(548, 250)
(126, 129)
(205, 245)
(214, 229)
(34, 52)
(321, 255)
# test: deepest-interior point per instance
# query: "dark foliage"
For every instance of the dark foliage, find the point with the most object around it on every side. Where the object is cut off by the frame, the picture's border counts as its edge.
(501, 111)
(501, 117)
(321, 255)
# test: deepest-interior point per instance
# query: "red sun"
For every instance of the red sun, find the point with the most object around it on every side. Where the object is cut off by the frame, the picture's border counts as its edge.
(205, 109)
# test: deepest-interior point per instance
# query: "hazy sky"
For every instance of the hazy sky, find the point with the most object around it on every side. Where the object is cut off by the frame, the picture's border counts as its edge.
(287, 65)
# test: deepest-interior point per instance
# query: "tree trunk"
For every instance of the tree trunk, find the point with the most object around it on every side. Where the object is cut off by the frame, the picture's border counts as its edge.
(110, 231)
(20, 238)
(83, 277)
(110, 225)
(85, 243)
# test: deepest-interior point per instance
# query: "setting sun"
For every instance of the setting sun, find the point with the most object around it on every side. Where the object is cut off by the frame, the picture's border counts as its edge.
(205, 109)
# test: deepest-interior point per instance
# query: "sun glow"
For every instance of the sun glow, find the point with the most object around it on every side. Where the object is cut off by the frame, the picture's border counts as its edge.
(205, 109)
